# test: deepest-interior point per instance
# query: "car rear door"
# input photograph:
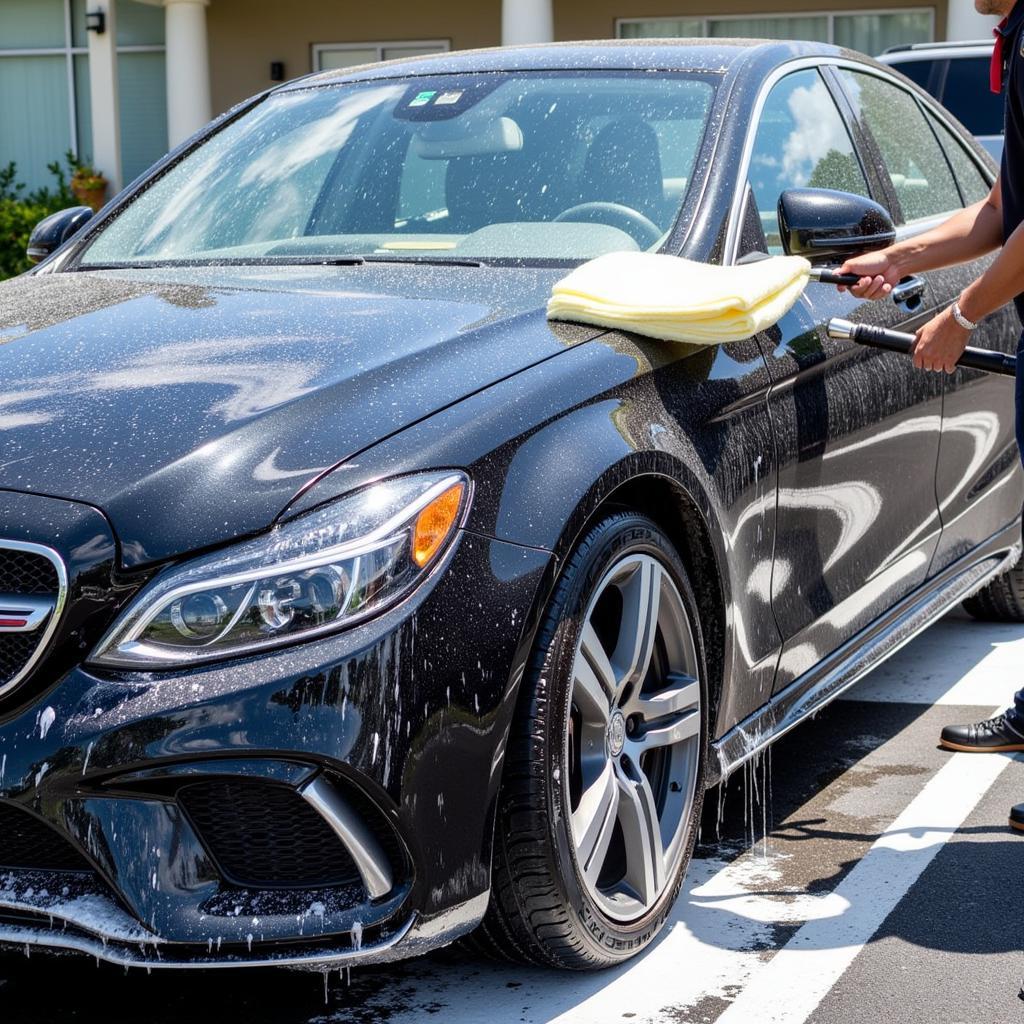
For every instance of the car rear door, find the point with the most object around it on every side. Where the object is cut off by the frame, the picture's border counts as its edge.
(857, 430)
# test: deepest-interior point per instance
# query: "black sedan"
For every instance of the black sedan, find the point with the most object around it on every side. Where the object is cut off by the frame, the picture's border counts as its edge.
(348, 606)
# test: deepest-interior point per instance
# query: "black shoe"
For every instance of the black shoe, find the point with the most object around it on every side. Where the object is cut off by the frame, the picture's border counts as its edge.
(989, 737)
(1017, 819)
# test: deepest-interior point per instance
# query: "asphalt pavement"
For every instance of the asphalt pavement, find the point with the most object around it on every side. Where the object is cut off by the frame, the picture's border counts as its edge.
(855, 874)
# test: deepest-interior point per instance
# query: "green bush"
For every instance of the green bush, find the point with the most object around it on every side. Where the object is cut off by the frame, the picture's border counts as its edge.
(21, 211)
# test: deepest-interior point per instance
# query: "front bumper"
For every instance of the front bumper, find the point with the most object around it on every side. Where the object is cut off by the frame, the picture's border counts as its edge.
(401, 721)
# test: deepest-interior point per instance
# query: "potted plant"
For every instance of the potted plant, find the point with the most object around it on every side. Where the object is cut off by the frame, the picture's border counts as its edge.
(89, 186)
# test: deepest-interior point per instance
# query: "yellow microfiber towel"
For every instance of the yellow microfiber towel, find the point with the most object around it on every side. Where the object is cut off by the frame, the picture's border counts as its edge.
(673, 299)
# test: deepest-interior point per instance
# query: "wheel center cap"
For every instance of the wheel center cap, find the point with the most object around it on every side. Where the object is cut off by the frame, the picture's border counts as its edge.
(616, 734)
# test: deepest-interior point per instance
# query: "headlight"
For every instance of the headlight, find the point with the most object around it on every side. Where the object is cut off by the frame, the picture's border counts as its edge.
(320, 572)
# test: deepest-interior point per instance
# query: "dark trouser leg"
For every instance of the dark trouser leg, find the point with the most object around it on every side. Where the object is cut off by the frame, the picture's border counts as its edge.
(1019, 392)
(1015, 713)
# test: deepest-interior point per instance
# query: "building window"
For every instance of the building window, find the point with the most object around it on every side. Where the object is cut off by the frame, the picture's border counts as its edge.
(868, 31)
(44, 81)
(330, 56)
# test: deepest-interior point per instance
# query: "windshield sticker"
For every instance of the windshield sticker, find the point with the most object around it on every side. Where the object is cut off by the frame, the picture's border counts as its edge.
(447, 98)
(423, 98)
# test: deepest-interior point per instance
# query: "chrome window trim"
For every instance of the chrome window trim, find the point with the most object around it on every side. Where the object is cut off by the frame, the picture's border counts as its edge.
(60, 598)
(734, 225)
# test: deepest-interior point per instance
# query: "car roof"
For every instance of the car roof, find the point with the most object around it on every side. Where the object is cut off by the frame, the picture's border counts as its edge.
(700, 55)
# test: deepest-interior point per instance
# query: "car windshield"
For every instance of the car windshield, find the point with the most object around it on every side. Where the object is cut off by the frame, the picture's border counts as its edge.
(520, 166)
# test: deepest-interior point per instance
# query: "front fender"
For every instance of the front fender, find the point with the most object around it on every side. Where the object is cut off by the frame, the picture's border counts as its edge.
(548, 446)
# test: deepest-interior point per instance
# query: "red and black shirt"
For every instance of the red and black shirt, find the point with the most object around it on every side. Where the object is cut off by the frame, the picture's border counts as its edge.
(1012, 173)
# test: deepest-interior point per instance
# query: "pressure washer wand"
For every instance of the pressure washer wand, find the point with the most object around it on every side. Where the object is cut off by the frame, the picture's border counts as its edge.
(898, 341)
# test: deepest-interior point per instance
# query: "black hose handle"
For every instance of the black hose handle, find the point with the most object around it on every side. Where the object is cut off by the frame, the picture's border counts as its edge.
(898, 341)
(826, 276)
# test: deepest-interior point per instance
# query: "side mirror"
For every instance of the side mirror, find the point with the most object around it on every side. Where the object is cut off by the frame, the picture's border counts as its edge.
(53, 231)
(826, 226)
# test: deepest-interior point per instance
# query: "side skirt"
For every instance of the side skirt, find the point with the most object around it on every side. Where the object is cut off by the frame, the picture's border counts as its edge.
(863, 652)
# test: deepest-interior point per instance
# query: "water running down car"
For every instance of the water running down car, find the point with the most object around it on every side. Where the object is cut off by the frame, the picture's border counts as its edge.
(348, 606)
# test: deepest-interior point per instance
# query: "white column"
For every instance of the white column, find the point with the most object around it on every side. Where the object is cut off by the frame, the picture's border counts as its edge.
(526, 21)
(188, 69)
(104, 96)
(964, 22)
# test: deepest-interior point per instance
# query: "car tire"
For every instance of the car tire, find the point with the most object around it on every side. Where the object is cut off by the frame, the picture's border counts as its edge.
(576, 879)
(1001, 599)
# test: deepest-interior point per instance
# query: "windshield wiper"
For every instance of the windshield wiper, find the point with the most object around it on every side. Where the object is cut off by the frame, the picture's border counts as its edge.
(436, 261)
(347, 260)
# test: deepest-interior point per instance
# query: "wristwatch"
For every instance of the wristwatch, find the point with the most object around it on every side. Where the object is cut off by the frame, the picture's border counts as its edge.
(967, 325)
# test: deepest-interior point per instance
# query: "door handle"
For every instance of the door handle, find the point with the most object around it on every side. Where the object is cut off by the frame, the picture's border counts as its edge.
(909, 291)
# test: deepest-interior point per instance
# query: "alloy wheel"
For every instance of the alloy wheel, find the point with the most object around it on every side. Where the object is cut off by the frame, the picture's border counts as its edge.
(634, 734)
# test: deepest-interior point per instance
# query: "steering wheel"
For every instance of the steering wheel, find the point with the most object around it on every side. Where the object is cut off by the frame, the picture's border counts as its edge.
(640, 228)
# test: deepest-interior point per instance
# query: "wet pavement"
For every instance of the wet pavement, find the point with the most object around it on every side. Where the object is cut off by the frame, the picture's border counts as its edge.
(856, 874)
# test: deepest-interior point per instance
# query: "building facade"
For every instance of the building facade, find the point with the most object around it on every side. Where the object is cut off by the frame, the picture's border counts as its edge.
(119, 81)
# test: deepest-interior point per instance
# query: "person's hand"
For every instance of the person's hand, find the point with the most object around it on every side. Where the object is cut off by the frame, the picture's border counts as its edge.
(877, 272)
(940, 343)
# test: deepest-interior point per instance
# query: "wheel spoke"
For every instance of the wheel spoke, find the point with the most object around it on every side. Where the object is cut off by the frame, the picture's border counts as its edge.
(669, 716)
(641, 598)
(681, 694)
(593, 821)
(670, 732)
(589, 693)
(641, 830)
(593, 654)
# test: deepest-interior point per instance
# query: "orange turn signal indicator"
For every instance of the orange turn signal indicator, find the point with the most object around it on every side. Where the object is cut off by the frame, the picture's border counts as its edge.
(435, 523)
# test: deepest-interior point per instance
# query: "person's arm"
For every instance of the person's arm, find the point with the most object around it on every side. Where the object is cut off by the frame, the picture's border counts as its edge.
(971, 233)
(941, 341)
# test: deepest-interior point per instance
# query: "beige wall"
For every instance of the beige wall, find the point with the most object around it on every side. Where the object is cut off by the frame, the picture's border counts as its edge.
(246, 35)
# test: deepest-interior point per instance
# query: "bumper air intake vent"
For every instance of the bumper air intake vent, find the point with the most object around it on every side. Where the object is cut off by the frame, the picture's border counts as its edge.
(263, 835)
(30, 844)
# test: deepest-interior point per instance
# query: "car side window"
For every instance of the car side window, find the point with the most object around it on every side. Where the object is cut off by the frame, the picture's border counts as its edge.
(972, 182)
(913, 158)
(801, 141)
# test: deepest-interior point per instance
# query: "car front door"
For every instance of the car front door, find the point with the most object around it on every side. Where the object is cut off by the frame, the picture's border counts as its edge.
(856, 429)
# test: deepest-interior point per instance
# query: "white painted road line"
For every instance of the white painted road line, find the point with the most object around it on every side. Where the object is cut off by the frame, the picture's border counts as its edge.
(791, 985)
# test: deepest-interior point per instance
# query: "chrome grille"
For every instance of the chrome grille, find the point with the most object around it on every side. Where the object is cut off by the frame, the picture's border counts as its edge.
(27, 571)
